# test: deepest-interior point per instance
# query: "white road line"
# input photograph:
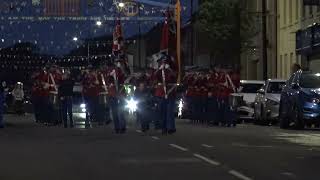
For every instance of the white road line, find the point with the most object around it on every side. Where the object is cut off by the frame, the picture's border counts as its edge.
(239, 175)
(206, 146)
(138, 131)
(178, 147)
(210, 161)
(155, 138)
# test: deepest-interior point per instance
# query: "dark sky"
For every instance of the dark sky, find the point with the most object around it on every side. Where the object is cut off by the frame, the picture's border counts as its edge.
(55, 37)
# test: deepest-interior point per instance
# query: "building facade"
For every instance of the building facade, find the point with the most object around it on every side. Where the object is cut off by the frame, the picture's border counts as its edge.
(251, 57)
(299, 35)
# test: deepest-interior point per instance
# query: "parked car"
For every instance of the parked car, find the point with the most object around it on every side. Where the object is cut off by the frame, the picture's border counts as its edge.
(248, 91)
(300, 101)
(267, 101)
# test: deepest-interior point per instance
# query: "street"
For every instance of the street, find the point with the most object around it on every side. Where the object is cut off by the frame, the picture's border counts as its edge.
(30, 151)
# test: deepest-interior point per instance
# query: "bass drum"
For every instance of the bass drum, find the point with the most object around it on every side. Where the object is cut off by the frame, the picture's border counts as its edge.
(103, 98)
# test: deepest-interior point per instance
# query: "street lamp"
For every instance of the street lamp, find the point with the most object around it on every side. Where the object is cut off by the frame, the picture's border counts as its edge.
(121, 4)
(75, 39)
(98, 23)
(2, 40)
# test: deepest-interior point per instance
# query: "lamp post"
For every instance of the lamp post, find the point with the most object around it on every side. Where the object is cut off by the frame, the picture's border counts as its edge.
(75, 39)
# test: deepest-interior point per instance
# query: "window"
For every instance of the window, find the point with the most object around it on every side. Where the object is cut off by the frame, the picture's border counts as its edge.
(297, 9)
(285, 12)
(285, 65)
(290, 11)
(311, 11)
(280, 66)
(303, 8)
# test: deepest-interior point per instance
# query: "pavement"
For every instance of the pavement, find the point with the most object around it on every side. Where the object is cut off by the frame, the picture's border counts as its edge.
(247, 152)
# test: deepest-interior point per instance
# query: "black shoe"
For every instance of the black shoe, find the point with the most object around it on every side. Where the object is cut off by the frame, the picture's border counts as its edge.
(164, 132)
(172, 131)
(123, 131)
(117, 131)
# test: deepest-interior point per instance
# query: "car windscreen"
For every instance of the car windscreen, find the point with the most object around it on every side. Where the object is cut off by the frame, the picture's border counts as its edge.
(250, 88)
(310, 81)
(275, 87)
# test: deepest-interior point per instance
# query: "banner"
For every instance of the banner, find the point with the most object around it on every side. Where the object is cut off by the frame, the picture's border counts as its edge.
(311, 2)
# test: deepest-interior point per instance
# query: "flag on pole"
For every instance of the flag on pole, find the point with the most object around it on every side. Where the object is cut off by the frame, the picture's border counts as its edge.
(164, 47)
(118, 40)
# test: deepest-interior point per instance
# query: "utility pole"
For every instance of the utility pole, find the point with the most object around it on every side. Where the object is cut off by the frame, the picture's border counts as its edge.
(264, 40)
(139, 37)
(192, 33)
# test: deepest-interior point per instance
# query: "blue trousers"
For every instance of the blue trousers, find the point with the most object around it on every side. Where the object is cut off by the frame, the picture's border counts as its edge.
(142, 117)
(66, 109)
(226, 112)
(91, 114)
(167, 109)
(1, 109)
(211, 111)
(117, 113)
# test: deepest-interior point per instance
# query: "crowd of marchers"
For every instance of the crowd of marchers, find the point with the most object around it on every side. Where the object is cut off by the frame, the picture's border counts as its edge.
(205, 96)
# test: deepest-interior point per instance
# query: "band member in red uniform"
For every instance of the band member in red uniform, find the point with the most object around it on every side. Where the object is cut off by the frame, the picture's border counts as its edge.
(166, 93)
(212, 106)
(189, 82)
(227, 87)
(103, 109)
(54, 78)
(116, 98)
(44, 96)
(91, 93)
(36, 98)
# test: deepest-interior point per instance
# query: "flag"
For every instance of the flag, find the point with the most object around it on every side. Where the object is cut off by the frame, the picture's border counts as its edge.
(62, 7)
(164, 47)
(118, 40)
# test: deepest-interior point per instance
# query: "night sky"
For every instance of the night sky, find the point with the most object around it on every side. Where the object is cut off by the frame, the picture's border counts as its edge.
(55, 37)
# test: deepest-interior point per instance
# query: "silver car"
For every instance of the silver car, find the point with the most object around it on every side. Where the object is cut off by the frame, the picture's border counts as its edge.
(266, 105)
(248, 91)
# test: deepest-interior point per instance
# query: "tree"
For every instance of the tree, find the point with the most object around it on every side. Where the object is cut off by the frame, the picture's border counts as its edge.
(225, 27)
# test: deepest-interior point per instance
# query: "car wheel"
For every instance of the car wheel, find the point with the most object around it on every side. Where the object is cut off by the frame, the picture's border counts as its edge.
(298, 121)
(284, 121)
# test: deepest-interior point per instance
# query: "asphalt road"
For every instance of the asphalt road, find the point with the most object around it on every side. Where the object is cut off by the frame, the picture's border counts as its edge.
(34, 152)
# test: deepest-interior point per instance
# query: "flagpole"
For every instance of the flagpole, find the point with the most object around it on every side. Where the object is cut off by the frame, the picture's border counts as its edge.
(178, 19)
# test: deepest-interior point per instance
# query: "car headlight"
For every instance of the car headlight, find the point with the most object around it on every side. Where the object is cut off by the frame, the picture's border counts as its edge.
(82, 105)
(132, 105)
(315, 100)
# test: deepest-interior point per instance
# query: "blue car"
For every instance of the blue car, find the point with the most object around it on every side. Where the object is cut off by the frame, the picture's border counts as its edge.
(300, 101)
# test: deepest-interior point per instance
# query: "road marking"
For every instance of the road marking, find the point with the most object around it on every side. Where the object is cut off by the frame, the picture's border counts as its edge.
(155, 138)
(138, 131)
(249, 146)
(289, 174)
(206, 146)
(178, 147)
(239, 175)
(210, 161)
